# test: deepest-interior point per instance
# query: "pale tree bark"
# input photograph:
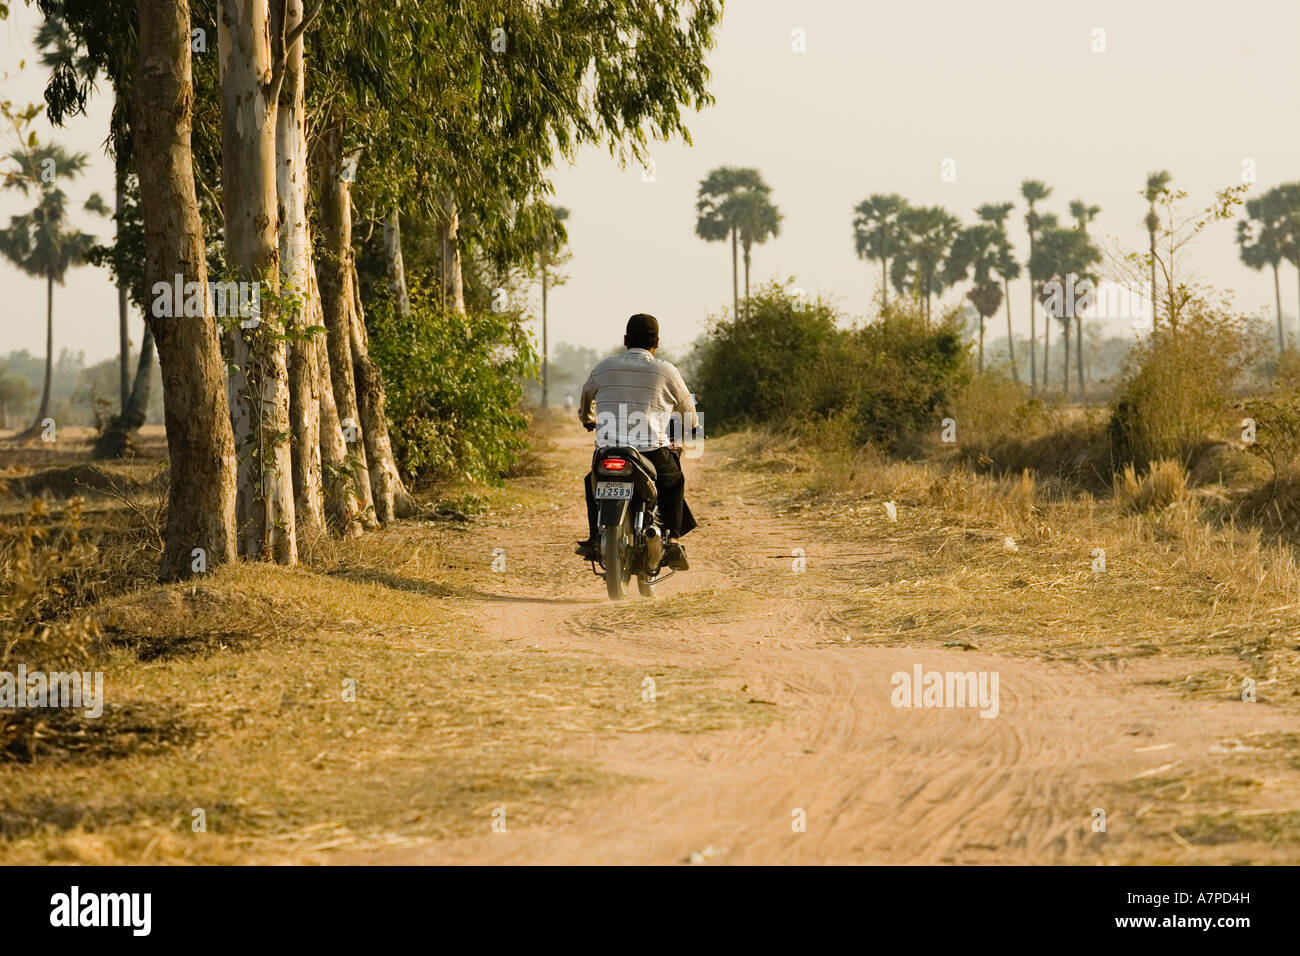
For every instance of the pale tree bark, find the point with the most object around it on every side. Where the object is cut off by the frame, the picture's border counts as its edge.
(396, 269)
(292, 189)
(334, 272)
(345, 511)
(391, 497)
(453, 279)
(201, 489)
(259, 391)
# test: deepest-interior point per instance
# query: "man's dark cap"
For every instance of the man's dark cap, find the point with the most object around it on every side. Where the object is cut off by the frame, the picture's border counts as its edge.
(642, 324)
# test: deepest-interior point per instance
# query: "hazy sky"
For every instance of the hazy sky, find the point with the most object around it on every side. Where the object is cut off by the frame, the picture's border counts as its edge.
(884, 93)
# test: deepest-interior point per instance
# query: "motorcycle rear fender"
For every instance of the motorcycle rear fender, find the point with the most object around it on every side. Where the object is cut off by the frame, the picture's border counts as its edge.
(612, 511)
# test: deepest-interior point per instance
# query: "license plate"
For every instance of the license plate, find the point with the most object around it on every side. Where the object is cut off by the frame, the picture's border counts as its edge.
(617, 490)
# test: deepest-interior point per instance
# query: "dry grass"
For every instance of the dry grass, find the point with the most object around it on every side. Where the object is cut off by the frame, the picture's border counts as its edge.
(1176, 579)
(228, 696)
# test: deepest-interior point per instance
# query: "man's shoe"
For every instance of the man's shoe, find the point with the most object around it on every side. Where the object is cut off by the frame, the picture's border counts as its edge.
(589, 550)
(675, 556)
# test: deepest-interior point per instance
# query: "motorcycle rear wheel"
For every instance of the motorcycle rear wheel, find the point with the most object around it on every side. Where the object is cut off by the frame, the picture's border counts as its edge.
(615, 544)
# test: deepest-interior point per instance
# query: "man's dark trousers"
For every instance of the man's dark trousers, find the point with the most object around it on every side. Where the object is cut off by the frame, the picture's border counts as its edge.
(674, 513)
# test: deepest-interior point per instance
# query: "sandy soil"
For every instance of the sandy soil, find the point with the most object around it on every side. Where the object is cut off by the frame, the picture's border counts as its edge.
(874, 783)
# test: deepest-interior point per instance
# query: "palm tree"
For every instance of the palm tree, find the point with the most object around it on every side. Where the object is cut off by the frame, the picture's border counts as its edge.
(977, 249)
(549, 255)
(721, 208)
(1288, 202)
(1062, 256)
(1006, 267)
(757, 221)
(1083, 214)
(928, 234)
(40, 242)
(1033, 190)
(1157, 186)
(876, 232)
(1262, 237)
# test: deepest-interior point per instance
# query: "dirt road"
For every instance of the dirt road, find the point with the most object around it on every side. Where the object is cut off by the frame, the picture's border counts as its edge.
(842, 775)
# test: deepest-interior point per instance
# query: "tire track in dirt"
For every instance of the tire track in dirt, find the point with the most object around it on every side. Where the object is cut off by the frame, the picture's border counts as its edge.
(877, 783)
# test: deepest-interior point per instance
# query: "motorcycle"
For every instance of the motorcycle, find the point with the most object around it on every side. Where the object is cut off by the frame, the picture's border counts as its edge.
(631, 534)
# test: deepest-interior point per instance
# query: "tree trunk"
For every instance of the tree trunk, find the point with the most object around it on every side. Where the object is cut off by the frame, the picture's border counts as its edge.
(296, 276)
(117, 438)
(123, 333)
(259, 391)
(49, 352)
(1033, 322)
(395, 269)
(1078, 353)
(1047, 351)
(546, 355)
(735, 277)
(1151, 235)
(1065, 369)
(747, 249)
(981, 360)
(1277, 291)
(884, 282)
(334, 271)
(345, 511)
(390, 495)
(201, 489)
(453, 280)
(1011, 339)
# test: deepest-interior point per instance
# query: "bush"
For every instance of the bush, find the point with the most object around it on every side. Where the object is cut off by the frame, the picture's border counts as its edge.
(771, 364)
(1177, 388)
(453, 384)
(786, 361)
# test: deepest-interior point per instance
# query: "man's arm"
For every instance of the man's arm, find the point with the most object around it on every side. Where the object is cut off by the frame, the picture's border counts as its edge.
(587, 403)
(683, 404)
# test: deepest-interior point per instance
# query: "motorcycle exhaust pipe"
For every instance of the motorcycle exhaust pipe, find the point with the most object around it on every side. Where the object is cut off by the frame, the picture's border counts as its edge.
(654, 547)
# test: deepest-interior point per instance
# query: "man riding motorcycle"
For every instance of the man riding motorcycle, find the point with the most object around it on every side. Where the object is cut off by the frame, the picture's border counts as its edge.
(634, 400)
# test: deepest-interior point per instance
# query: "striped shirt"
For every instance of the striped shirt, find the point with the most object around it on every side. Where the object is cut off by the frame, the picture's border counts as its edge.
(632, 397)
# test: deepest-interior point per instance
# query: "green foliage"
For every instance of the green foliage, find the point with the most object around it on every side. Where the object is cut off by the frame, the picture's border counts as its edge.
(453, 386)
(787, 361)
(770, 364)
(902, 373)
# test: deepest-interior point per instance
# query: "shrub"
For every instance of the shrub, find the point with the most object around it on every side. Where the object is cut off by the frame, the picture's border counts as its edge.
(770, 364)
(786, 361)
(454, 384)
(904, 373)
(1177, 387)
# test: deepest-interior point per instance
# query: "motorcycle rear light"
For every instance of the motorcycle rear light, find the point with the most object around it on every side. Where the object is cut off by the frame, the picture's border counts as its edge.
(614, 464)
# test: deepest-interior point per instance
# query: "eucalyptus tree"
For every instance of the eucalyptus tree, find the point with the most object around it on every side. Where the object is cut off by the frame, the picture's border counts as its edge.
(1033, 191)
(1262, 237)
(201, 489)
(1006, 267)
(730, 202)
(928, 235)
(551, 254)
(1157, 187)
(42, 241)
(876, 233)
